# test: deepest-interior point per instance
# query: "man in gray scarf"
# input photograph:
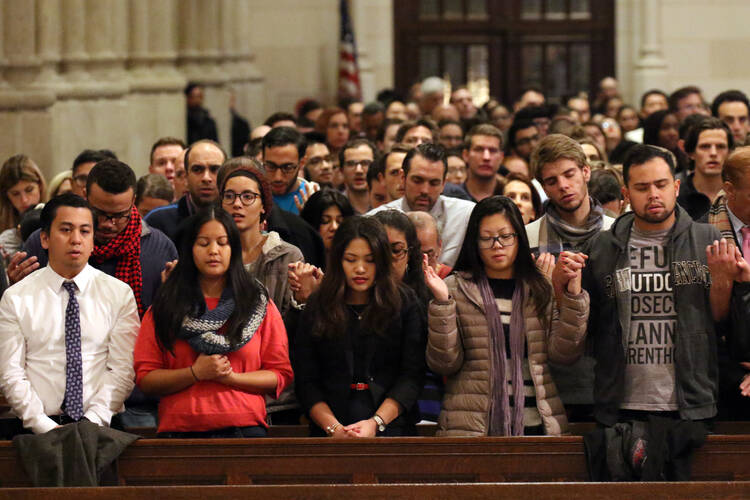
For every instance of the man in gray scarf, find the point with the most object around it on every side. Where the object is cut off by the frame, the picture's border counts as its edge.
(570, 219)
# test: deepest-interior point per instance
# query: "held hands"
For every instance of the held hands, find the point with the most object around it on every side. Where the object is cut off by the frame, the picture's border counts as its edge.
(726, 263)
(567, 273)
(304, 279)
(301, 198)
(436, 285)
(19, 267)
(212, 367)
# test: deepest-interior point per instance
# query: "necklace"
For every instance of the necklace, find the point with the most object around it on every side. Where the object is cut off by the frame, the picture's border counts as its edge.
(357, 314)
(252, 250)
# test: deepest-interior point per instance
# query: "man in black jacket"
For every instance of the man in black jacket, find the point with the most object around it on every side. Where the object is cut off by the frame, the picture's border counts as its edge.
(657, 285)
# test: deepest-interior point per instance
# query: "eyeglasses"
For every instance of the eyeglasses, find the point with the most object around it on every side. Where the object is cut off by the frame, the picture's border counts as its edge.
(81, 179)
(246, 197)
(287, 168)
(505, 240)
(118, 218)
(353, 163)
(399, 251)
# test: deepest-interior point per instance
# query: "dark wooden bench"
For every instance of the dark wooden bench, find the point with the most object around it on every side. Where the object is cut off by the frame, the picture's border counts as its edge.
(371, 461)
(538, 491)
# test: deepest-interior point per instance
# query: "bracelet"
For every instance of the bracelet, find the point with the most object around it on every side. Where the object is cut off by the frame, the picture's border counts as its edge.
(194, 375)
(332, 428)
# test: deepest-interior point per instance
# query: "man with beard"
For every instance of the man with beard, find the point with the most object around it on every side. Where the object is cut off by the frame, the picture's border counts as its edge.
(283, 156)
(656, 282)
(355, 159)
(571, 218)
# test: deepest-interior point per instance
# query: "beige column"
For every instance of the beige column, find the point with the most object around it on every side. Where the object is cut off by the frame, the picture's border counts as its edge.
(651, 66)
(358, 10)
(49, 38)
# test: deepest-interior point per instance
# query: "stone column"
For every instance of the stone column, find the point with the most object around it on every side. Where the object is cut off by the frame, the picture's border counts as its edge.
(360, 22)
(651, 67)
(49, 37)
(249, 83)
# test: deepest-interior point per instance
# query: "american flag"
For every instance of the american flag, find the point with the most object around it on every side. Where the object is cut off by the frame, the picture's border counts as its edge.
(349, 84)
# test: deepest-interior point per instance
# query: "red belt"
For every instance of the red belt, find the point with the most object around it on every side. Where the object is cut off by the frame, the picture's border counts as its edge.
(359, 387)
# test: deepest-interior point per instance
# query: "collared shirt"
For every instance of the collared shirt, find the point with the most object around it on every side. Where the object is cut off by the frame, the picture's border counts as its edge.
(32, 345)
(737, 226)
(452, 216)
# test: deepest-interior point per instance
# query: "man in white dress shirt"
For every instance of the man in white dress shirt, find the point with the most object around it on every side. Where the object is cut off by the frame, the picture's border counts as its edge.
(424, 179)
(67, 331)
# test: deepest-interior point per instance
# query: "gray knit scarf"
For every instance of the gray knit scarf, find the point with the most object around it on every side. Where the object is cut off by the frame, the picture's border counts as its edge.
(202, 332)
(501, 423)
(562, 231)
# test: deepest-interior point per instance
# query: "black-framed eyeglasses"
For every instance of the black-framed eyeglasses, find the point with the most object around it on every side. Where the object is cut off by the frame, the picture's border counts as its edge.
(287, 168)
(116, 218)
(399, 251)
(246, 197)
(505, 240)
(353, 163)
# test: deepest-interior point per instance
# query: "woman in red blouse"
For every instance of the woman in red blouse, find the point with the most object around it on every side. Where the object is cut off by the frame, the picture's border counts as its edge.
(213, 343)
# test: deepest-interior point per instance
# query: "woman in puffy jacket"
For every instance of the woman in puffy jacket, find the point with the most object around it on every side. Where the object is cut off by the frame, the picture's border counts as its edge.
(494, 324)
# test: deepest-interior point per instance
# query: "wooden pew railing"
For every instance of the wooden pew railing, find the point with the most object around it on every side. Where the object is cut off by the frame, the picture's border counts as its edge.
(538, 491)
(268, 461)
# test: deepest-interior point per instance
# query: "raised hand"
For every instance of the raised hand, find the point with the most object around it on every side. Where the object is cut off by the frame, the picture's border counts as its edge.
(301, 198)
(436, 285)
(722, 262)
(19, 267)
(546, 264)
(167, 270)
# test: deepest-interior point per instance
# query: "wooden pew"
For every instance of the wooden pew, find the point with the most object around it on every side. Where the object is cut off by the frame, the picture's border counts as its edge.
(538, 491)
(269, 461)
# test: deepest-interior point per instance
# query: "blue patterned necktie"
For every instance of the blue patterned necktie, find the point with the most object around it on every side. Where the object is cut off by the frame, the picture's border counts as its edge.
(73, 402)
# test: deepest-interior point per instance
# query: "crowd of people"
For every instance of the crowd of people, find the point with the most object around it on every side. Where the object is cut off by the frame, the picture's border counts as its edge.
(498, 270)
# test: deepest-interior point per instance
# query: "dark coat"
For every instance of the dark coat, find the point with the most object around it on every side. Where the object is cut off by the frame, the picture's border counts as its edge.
(324, 367)
(696, 365)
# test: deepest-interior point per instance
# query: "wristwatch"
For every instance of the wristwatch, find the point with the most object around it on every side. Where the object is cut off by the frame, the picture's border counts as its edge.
(380, 422)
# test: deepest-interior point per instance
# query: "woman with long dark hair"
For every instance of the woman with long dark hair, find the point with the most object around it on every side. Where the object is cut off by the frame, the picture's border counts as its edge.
(493, 325)
(406, 252)
(359, 355)
(325, 210)
(661, 128)
(212, 344)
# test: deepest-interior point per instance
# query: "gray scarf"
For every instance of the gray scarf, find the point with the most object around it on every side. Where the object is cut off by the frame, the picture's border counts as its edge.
(501, 423)
(561, 231)
(202, 332)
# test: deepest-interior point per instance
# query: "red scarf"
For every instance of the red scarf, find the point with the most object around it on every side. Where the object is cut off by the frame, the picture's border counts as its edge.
(126, 246)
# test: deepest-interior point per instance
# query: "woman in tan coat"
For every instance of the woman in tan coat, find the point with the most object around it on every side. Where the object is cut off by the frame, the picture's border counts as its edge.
(494, 324)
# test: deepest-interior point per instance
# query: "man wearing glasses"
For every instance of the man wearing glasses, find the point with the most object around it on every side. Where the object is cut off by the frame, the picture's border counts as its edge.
(83, 164)
(355, 159)
(283, 156)
(124, 246)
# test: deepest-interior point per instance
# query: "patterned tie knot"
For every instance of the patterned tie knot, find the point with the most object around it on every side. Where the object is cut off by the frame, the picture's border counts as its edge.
(70, 286)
